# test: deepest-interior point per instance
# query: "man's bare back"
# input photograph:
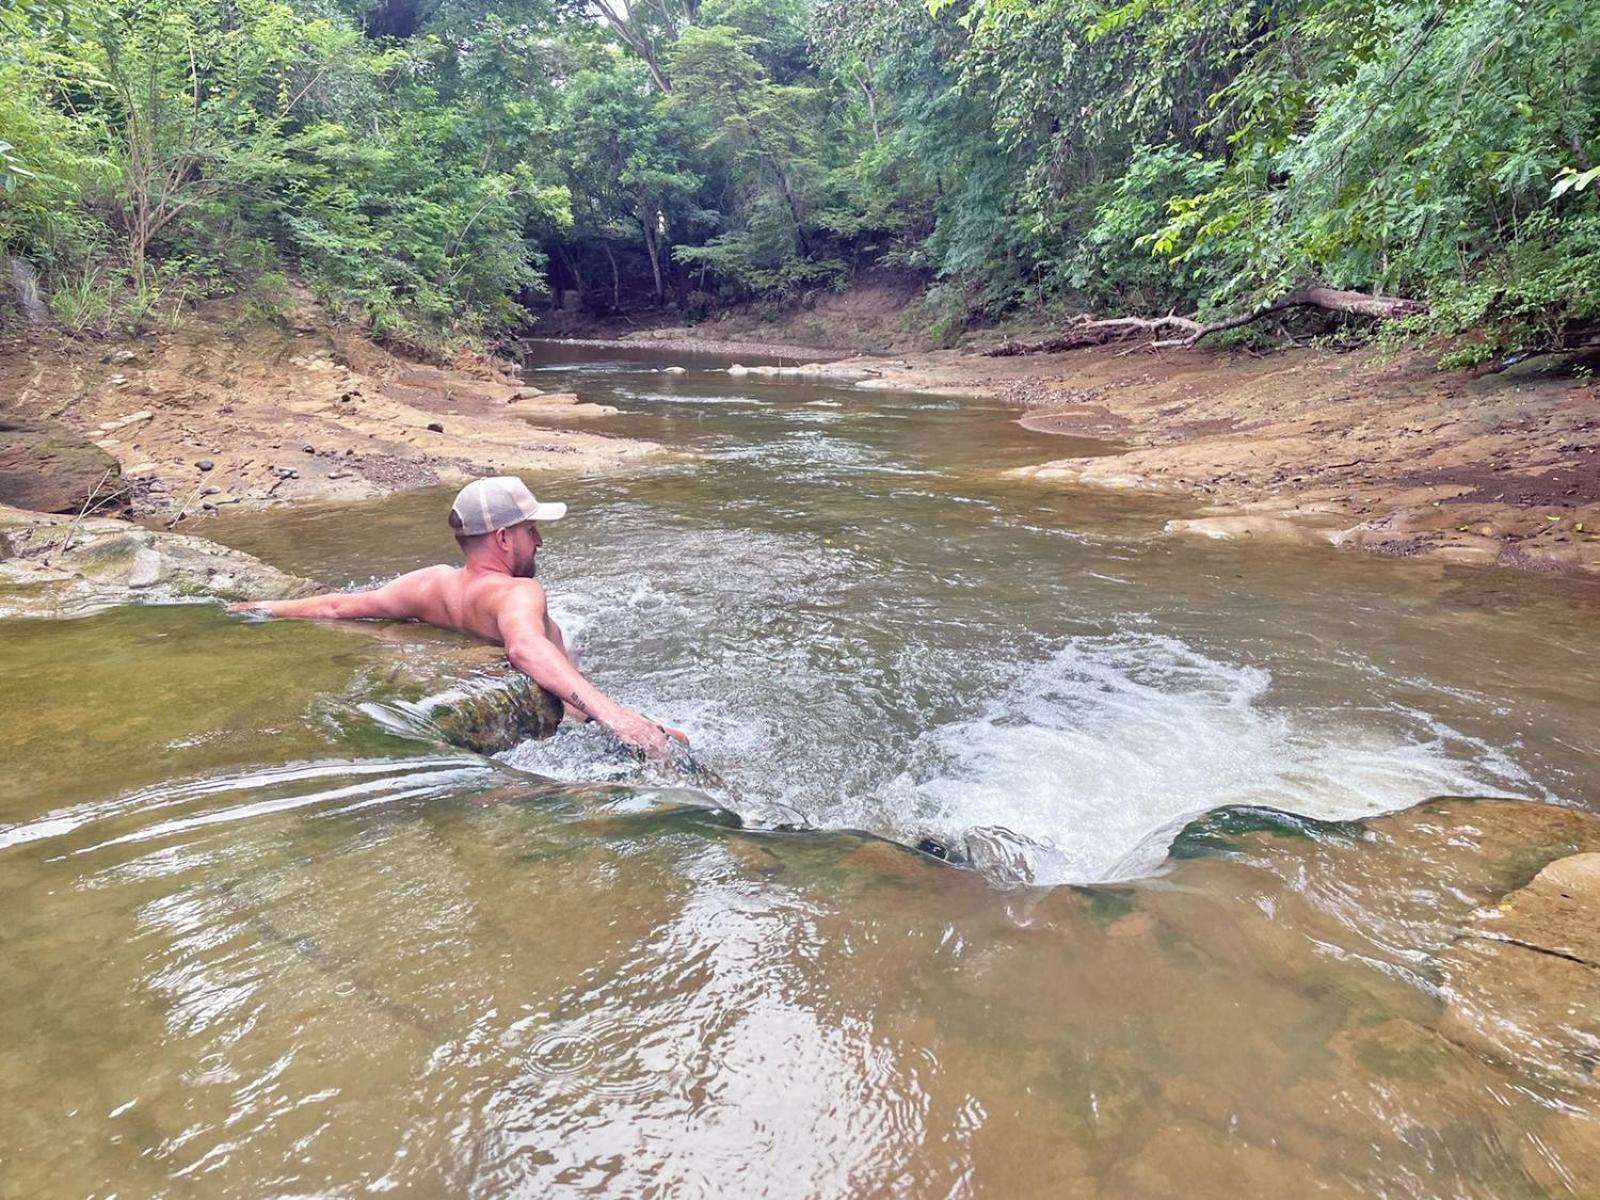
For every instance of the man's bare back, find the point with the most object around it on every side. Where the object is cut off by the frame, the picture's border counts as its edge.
(493, 597)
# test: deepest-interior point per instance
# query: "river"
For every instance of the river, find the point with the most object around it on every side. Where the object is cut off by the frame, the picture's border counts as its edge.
(258, 943)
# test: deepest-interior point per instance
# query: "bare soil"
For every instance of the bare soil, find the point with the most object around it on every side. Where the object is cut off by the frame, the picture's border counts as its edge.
(1383, 452)
(226, 412)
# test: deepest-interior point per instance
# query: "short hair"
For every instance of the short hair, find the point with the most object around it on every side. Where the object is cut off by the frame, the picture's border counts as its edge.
(470, 541)
(466, 541)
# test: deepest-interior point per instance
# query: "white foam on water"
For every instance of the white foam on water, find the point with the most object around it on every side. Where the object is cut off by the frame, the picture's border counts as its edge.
(1062, 759)
(813, 452)
(1098, 756)
(603, 366)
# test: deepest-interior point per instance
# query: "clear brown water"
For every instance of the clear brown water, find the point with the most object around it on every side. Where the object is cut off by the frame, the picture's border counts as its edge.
(257, 944)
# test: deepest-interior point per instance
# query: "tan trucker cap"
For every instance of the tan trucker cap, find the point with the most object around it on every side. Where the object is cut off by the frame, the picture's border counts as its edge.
(498, 502)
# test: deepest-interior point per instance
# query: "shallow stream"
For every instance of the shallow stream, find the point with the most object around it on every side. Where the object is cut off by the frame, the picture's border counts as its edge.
(258, 944)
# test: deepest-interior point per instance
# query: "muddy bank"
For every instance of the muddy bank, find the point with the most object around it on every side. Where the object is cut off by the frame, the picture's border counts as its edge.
(1390, 455)
(881, 312)
(221, 412)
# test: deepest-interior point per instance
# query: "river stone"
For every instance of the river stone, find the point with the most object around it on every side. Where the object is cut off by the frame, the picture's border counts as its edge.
(1559, 912)
(824, 372)
(445, 687)
(493, 710)
(1523, 983)
(47, 467)
(145, 571)
(52, 565)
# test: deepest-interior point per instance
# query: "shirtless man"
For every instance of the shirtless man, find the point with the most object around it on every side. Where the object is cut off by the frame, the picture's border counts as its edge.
(493, 597)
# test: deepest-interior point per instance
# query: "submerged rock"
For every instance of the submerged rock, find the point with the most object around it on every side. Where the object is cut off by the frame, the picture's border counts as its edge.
(443, 687)
(53, 565)
(1523, 983)
(493, 711)
(993, 851)
(826, 372)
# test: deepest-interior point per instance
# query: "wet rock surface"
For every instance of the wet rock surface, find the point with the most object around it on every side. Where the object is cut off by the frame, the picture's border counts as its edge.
(54, 565)
(443, 687)
(1523, 983)
(493, 710)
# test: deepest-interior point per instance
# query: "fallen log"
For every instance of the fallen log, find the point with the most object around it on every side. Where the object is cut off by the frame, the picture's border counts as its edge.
(1086, 331)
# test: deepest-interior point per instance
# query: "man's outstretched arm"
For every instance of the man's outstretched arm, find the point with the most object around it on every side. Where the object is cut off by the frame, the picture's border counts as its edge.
(530, 649)
(395, 600)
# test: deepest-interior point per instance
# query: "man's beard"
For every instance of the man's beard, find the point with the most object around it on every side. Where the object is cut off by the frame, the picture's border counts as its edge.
(528, 569)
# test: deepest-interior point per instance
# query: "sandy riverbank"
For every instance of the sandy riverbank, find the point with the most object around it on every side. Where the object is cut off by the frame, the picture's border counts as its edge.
(1381, 451)
(219, 413)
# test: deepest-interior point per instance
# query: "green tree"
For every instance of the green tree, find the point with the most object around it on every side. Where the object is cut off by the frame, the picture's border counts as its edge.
(630, 161)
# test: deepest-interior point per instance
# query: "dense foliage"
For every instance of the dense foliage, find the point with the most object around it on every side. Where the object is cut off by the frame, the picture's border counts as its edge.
(434, 166)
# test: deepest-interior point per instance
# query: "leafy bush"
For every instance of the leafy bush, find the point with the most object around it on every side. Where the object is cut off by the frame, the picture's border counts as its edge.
(425, 166)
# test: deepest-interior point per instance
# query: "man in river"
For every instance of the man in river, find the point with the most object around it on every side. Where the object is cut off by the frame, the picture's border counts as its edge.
(493, 597)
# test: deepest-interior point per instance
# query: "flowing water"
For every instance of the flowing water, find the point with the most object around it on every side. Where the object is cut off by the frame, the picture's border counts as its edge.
(257, 943)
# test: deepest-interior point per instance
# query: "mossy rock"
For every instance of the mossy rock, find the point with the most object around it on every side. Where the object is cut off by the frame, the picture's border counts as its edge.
(1220, 830)
(492, 711)
(56, 566)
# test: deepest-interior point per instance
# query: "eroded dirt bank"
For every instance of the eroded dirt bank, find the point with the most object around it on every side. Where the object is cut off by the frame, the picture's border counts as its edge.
(1380, 451)
(223, 412)
(1386, 453)
(1389, 455)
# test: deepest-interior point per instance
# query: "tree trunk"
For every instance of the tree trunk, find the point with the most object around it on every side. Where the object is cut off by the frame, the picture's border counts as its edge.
(577, 276)
(616, 279)
(794, 210)
(619, 20)
(138, 240)
(865, 84)
(647, 224)
(1087, 332)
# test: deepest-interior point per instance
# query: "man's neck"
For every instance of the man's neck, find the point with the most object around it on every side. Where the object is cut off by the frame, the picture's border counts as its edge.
(486, 566)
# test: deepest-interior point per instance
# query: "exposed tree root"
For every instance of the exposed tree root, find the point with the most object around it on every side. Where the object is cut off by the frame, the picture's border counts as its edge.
(1086, 331)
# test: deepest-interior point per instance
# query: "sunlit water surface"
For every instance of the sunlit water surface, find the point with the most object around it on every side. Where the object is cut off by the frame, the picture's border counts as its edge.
(258, 944)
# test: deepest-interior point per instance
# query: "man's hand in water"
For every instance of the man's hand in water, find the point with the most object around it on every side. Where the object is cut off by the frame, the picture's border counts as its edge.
(523, 624)
(639, 731)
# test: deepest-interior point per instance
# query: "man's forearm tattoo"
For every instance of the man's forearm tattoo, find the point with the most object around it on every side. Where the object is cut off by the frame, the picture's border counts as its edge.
(578, 704)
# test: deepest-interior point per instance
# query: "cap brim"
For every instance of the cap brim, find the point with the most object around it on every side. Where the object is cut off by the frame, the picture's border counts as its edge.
(553, 511)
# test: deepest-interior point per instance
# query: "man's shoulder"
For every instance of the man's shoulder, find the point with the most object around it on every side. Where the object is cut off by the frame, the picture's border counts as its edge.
(515, 603)
(524, 591)
(426, 577)
(505, 590)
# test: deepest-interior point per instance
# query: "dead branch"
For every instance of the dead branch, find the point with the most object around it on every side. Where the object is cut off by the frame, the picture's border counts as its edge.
(1086, 331)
